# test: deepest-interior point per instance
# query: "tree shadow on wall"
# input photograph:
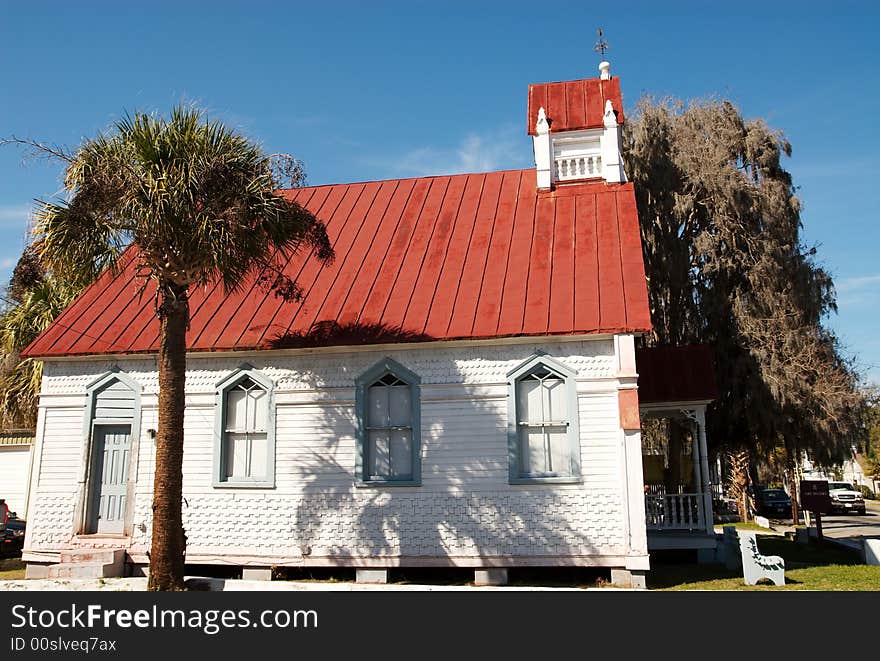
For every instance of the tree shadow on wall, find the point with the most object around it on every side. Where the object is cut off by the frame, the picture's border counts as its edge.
(464, 510)
(331, 333)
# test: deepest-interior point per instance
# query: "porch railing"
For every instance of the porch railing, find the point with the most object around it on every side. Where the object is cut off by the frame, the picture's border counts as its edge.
(679, 511)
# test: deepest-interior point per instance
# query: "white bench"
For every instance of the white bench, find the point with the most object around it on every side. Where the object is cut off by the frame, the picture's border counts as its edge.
(757, 566)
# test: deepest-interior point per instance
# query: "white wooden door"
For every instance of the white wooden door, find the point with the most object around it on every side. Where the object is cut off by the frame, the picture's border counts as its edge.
(112, 447)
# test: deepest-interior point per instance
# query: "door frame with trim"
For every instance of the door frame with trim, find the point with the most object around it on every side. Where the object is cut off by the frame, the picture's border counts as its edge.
(90, 475)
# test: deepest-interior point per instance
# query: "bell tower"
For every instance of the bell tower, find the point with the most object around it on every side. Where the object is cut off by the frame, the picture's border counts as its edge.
(575, 127)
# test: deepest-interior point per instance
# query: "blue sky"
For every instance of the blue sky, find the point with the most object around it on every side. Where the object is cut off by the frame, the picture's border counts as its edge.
(374, 90)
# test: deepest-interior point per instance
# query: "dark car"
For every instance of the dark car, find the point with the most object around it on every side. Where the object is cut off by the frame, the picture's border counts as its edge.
(12, 539)
(773, 503)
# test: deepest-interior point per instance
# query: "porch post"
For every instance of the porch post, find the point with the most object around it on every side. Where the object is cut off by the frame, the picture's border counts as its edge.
(699, 475)
(704, 465)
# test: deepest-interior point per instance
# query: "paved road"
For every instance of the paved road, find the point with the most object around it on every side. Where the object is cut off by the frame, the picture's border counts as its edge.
(852, 528)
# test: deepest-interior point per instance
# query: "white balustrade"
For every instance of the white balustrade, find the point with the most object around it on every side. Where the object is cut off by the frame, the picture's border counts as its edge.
(680, 511)
(584, 166)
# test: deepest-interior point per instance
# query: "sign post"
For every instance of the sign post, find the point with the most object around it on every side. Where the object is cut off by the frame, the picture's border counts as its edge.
(815, 498)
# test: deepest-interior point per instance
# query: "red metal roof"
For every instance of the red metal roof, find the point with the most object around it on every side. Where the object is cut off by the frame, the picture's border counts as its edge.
(676, 374)
(435, 258)
(574, 104)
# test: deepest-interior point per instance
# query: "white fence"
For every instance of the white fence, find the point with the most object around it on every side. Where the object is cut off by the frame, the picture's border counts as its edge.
(680, 511)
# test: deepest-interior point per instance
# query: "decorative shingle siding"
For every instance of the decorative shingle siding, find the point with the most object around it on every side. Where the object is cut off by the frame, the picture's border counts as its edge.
(464, 511)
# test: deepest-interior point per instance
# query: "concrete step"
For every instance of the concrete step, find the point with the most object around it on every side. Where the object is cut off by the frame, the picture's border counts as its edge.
(89, 563)
(101, 556)
(80, 570)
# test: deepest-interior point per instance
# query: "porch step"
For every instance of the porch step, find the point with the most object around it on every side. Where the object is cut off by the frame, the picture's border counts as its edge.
(89, 563)
(101, 556)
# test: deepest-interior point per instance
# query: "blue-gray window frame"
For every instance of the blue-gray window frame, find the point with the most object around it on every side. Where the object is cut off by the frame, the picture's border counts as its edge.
(514, 449)
(223, 386)
(364, 381)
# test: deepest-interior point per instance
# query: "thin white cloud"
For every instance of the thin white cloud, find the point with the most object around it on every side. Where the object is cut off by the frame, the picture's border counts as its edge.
(857, 283)
(8, 262)
(475, 153)
(858, 291)
(15, 215)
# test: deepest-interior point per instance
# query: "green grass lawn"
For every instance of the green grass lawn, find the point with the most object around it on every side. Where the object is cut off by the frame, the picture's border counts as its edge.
(11, 569)
(810, 566)
(741, 525)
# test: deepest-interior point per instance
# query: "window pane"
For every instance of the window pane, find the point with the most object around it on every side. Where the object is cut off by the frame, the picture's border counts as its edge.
(560, 455)
(554, 409)
(377, 406)
(258, 407)
(401, 455)
(236, 409)
(400, 410)
(529, 401)
(379, 451)
(259, 448)
(534, 456)
(236, 455)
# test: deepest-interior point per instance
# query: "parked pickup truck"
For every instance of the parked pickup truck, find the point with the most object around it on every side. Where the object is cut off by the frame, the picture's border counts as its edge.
(844, 498)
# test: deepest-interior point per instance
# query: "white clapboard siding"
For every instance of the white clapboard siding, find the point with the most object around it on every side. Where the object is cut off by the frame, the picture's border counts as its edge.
(116, 400)
(62, 450)
(15, 461)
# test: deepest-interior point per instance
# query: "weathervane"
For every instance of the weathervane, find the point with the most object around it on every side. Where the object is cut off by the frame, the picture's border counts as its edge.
(601, 45)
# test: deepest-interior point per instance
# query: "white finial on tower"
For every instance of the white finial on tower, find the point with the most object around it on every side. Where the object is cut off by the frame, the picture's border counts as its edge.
(542, 126)
(609, 119)
(604, 70)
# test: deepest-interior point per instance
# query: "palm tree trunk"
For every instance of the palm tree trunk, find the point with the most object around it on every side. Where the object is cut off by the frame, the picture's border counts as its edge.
(169, 541)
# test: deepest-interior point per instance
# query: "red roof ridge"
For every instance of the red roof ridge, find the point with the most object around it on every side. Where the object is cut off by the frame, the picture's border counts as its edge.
(413, 178)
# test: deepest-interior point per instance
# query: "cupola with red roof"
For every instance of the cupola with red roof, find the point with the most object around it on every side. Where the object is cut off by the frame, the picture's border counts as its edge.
(575, 127)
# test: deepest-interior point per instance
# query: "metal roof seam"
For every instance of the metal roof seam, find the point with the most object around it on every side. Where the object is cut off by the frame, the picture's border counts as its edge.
(412, 236)
(379, 222)
(318, 268)
(316, 317)
(390, 270)
(444, 262)
(68, 325)
(598, 262)
(391, 236)
(279, 304)
(464, 258)
(507, 260)
(434, 225)
(268, 290)
(485, 260)
(552, 264)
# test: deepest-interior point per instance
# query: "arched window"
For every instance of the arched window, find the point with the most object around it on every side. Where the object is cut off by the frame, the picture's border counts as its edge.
(245, 444)
(388, 426)
(543, 440)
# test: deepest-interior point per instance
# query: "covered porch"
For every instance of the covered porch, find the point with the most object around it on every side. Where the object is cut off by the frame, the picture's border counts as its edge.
(676, 384)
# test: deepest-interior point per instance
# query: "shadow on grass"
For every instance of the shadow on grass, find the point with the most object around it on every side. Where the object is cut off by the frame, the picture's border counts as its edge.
(813, 554)
(680, 571)
(12, 568)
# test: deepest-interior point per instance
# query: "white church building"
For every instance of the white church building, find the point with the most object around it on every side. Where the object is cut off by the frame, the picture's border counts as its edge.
(458, 388)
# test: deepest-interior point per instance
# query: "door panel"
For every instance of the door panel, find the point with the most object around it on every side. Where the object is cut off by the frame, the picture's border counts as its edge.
(112, 448)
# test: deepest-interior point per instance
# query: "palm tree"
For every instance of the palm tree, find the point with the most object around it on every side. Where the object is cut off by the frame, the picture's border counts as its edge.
(197, 203)
(28, 314)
